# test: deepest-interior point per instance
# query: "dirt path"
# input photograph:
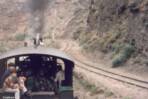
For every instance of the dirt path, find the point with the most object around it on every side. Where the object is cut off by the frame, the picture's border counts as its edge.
(121, 90)
(83, 89)
(79, 90)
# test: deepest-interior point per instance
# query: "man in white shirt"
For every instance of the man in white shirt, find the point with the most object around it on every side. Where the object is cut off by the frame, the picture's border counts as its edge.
(60, 76)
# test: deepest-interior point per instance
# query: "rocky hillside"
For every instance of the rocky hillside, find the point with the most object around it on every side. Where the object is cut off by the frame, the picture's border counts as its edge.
(12, 25)
(11, 17)
(120, 27)
(116, 28)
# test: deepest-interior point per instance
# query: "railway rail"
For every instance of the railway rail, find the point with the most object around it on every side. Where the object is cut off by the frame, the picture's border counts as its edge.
(110, 74)
(121, 78)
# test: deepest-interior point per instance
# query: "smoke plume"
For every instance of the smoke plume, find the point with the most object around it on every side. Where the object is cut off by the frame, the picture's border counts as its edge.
(36, 10)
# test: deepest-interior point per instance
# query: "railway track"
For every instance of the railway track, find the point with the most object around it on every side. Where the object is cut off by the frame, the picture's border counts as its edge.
(110, 74)
(118, 77)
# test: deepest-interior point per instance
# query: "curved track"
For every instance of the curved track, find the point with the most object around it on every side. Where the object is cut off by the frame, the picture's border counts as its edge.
(104, 72)
(119, 77)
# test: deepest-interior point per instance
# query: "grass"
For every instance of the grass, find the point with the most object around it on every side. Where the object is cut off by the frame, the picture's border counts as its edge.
(110, 38)
(109, 93)
(2, 48)
(91, 87)
(91, 42)
(88, 86)
(126, 98)
(20, 37)
(111, 42)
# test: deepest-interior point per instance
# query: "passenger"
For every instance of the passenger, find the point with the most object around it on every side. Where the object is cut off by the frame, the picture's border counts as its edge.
(10, 78)
(59, 76)
(8, 71)
(11, 83)
(23, 89)
(22, 86)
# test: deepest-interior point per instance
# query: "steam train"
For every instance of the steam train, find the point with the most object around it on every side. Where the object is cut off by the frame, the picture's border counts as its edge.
(39, 65)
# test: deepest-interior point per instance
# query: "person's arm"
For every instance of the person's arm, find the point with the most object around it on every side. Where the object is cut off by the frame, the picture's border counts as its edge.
(8, 83)
(57, 77)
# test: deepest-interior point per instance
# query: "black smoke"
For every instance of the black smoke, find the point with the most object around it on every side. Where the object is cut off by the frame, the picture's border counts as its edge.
(36, 16)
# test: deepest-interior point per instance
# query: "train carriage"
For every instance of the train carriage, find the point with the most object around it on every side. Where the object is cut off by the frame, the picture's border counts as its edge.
(40, 66)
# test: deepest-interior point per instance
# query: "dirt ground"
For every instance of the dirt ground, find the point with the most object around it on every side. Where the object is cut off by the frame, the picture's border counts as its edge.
(121, 90)
(85, 90)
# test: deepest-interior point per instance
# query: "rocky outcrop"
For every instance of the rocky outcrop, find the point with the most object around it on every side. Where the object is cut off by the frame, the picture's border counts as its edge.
(130, 17)
(109, 26)
(11, 17)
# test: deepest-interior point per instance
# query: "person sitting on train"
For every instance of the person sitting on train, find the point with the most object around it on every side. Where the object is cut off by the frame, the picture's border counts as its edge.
(11, 83)
(10, 80)
(59, 76)
(23, 89)
(21, 81)
(8, 71)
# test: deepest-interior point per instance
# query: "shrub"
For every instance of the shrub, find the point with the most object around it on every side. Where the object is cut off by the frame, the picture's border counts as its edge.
(20, 37)
(87, 85)
(123, 55)
(109, 93)
(117, 61)
(2, 48)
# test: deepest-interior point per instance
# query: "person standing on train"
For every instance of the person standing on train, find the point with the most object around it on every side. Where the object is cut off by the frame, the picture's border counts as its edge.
(59, 76)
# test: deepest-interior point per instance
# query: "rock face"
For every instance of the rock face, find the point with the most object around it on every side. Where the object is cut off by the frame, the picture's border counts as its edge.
(11, 17)
(103, 25)
(130, 16)
(98, 25)
(66, 17)
(118, 23)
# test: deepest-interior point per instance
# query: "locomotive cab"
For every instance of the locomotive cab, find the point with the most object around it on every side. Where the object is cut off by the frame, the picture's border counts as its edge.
(40, 66)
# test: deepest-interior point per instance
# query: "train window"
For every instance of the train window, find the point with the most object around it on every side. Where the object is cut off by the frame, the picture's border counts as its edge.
(22, 58)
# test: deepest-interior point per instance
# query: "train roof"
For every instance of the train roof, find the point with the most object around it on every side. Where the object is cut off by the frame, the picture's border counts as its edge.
(32, 50)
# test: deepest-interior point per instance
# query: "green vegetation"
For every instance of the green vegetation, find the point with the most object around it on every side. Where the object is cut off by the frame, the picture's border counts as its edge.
(109, 93)
(113, 42)
(2, 48)
(127, 98)
(122, 55)
(20, 37)
(92, 42)
(91, 87)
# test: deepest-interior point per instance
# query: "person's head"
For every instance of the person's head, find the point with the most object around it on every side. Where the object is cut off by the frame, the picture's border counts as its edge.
(11, 64)
(14, 75)
(59, 67)
(12, 68)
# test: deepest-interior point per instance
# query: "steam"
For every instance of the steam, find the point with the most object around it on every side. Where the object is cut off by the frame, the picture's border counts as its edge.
(36, 10)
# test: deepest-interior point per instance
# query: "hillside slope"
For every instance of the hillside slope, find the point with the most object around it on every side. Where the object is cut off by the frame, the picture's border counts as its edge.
(116, 28)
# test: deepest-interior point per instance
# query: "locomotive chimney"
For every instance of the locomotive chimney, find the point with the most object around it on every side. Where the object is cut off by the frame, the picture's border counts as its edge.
(35, 14)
